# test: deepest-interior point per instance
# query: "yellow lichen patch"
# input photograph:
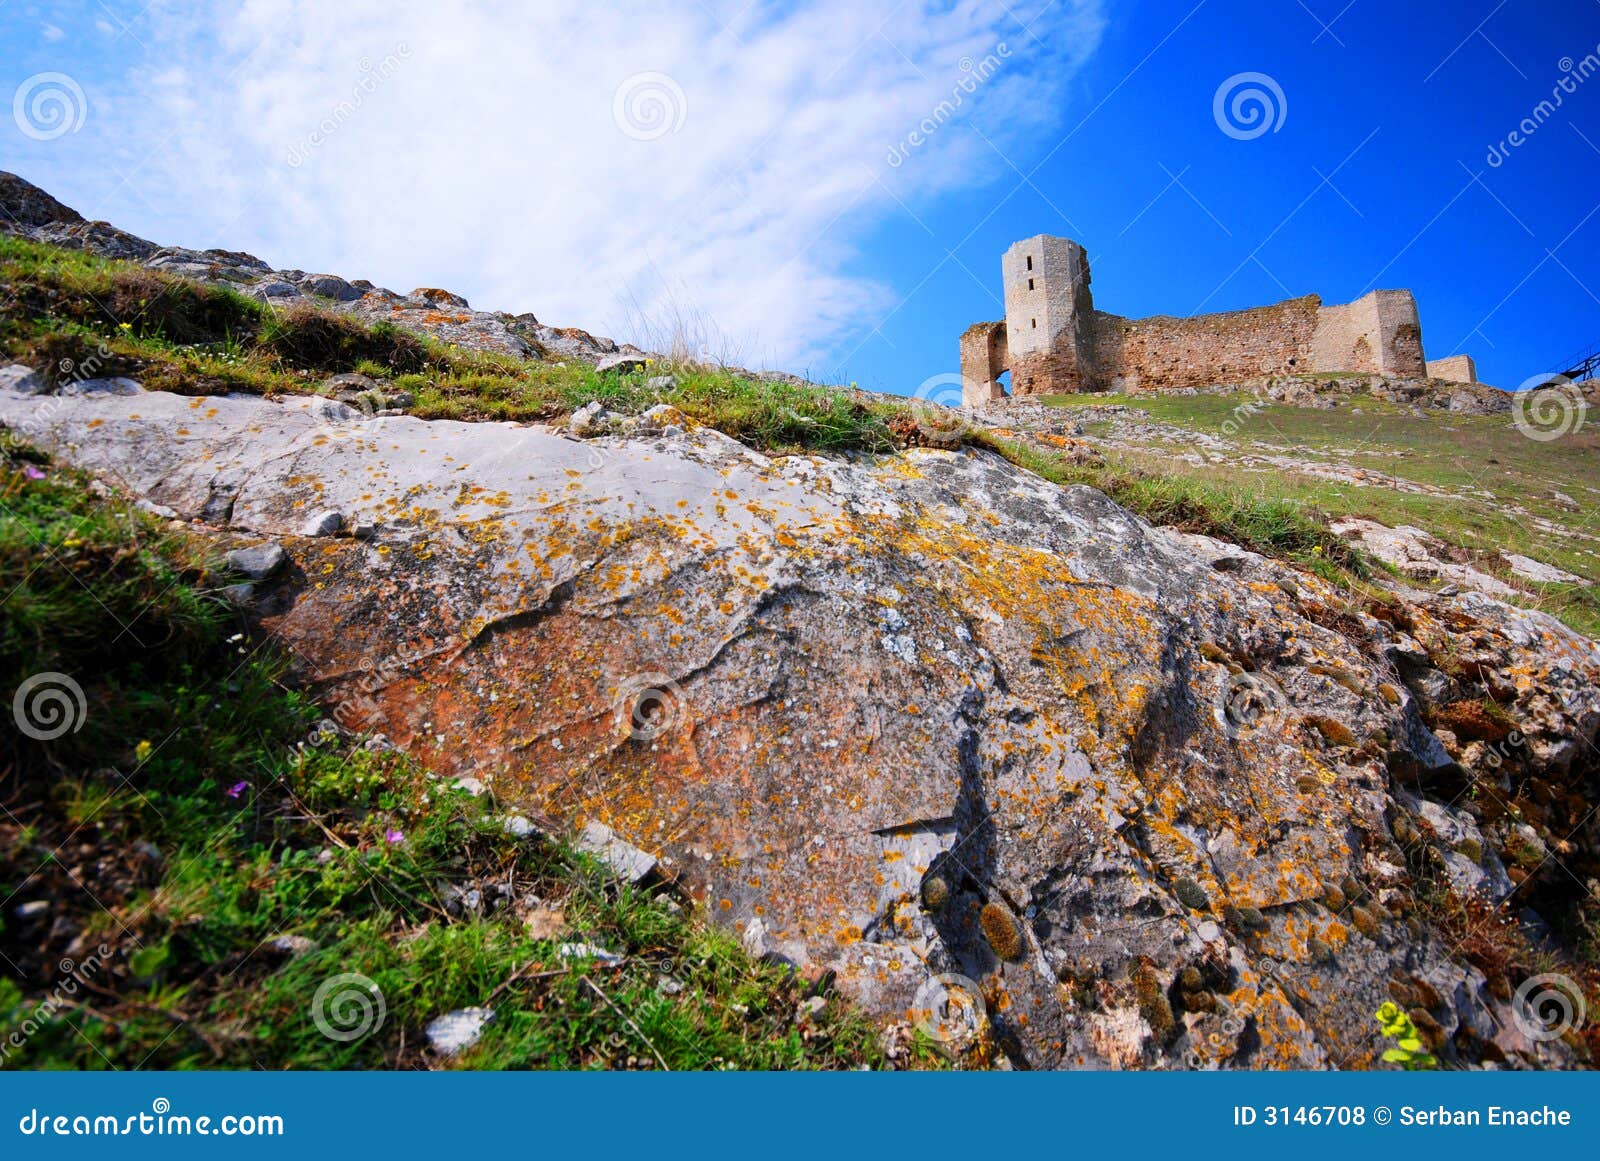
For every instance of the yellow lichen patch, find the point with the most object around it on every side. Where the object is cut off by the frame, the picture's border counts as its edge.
(1002, 931)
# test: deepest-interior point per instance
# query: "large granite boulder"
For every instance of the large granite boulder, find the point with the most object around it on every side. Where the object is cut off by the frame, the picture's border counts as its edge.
(1137, 798)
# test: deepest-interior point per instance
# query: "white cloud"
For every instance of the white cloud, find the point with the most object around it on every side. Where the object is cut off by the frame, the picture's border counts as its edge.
(484, 156)
(51, 33)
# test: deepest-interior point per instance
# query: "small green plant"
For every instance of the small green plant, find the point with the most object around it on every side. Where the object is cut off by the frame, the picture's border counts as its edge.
(1409, 1052)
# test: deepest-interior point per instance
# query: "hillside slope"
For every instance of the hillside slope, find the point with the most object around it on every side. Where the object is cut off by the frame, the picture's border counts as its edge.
(1064, 788)
(1503, 489)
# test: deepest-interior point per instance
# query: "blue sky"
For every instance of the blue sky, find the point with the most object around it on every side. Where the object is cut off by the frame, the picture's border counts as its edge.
(1395, 104)
(621, 166)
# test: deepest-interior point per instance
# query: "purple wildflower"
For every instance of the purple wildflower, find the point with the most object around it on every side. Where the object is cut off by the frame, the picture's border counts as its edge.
(237, 789)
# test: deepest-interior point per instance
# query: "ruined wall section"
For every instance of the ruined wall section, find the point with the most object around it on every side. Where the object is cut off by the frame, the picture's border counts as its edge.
(1455, 369)
(984, 358)
(1049, 316)
(1379, 333)
(1053, 341)
(1152, 354)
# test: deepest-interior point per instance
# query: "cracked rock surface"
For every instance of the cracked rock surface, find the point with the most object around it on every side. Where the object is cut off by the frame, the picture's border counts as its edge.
(1158, 802)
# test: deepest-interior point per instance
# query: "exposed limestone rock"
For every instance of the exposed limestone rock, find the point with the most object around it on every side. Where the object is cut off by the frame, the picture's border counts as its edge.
(101, 237)
(627, 860)
(329, 286)
(273, 289)
(100, 387)
(325, 523)
(1416, 554)
(590, 419)
(581, 951)
(455, 1032)
(28, 206)
(620, 364)
(1540, 573)
(440, 298)
(1145, 788)
(22, 380)
(259, 562)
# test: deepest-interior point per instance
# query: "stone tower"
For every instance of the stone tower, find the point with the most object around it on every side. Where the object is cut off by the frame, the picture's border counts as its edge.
(1054, 342)
(1379, 333)
(1049, 316)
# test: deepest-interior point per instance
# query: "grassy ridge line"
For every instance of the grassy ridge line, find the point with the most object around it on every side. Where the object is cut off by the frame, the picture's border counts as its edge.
(1276, 528)
(189, 825)
(179, 335)
(174, 334)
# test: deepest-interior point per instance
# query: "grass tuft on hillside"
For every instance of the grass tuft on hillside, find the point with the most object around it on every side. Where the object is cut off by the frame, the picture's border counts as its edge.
(1272, 527)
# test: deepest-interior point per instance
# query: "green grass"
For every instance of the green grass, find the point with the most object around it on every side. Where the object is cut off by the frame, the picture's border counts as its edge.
(199, 814)
(1498, 486)
(1270, 526)
(73, 314)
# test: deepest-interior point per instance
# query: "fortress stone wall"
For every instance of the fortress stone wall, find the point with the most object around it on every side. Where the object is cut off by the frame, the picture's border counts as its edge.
(1054, 341)
(1455, 369)
(1378, 333)
(985, 355)
(1133, 354)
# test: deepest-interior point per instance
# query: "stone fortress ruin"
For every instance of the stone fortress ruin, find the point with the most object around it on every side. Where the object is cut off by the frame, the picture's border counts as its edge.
(1053, 341)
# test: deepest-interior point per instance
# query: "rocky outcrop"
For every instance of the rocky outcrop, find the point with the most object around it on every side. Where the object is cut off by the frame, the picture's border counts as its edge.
(29, 207)
(1416, 554)
(28, 211)
(1122, 796)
